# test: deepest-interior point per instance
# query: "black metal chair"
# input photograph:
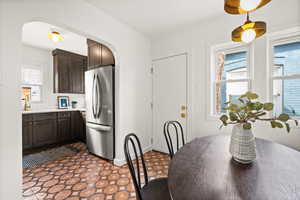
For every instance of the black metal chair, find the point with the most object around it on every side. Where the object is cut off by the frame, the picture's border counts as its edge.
(178, 128)
(156, 189)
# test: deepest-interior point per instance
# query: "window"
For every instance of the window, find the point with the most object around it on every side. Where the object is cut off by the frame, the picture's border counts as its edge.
(286, 78)
(230, 77)
(32, 81)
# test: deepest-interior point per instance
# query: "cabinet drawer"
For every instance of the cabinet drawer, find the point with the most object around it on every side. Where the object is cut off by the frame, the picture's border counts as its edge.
(44, 132)
(44, 116)
(27, 118)
(64, 114)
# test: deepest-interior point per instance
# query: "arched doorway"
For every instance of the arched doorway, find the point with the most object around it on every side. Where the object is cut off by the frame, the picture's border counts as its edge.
(36, 60)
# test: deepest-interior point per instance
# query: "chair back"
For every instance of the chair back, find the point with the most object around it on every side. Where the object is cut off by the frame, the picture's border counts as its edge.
(178, 133)
(135, 171)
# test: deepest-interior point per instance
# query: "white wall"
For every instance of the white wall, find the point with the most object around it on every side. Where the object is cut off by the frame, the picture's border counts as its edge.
(133, 80)
(42, 59)
(197, 41)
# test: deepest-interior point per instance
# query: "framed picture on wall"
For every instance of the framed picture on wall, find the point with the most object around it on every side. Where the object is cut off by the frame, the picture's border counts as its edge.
(63, 102)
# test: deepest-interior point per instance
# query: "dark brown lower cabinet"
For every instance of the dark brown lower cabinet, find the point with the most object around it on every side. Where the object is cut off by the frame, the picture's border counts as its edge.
(63, 129)
(27, 135)
(44, 132)
(52, 128)
(78, 126)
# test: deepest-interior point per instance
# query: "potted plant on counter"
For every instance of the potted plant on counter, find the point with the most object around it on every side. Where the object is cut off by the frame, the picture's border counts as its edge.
(243, 116)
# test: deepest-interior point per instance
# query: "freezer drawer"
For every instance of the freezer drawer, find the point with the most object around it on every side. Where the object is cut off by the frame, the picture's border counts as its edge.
(100, 140)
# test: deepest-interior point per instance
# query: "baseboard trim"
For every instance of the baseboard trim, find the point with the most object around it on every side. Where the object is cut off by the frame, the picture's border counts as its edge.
(120, 162)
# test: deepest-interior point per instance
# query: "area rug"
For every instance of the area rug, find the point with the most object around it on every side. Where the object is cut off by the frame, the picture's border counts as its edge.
(36, 159)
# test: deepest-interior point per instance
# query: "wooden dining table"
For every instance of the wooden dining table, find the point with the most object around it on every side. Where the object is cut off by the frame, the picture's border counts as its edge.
(204, 170)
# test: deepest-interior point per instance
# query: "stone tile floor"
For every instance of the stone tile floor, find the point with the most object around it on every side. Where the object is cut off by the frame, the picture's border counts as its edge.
(87, 177)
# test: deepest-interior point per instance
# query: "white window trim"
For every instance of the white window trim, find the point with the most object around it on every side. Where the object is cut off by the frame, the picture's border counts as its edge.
(33, 67)
(227, 48)
(275, 39)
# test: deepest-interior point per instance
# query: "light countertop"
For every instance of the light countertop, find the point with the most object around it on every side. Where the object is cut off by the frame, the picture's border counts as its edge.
(53, 110)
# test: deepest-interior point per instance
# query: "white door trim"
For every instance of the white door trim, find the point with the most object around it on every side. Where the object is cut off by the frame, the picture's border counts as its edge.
(171, 56)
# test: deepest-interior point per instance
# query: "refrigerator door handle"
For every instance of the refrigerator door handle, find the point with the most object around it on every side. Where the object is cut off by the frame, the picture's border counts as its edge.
(99, 96)
(99, 127)
(93, 96)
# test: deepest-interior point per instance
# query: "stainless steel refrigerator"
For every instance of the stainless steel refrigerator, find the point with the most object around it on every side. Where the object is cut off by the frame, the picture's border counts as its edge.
(99, 91)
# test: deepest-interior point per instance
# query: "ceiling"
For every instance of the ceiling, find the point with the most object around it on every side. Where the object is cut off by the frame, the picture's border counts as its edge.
(36, 34)
(153, 17)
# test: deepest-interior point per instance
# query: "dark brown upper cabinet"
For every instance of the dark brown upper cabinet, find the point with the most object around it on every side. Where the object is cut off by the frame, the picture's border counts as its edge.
(69, 71)
(99, 55)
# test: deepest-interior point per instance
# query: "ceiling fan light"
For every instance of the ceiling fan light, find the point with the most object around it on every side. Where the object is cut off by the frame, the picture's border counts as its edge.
(249, 31)
(248, 35)
(243, 6)
(55, 36)
(249, 5)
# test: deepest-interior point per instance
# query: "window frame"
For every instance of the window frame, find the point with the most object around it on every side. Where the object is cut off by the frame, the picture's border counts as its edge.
(228, 48)
(40, 88)
(275, 40)
(40, 85)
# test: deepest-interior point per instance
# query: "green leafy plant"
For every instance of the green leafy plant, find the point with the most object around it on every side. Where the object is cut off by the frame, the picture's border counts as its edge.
(250, 110)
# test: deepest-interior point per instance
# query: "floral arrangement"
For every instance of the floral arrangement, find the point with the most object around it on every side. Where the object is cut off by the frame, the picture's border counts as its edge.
(249, 110)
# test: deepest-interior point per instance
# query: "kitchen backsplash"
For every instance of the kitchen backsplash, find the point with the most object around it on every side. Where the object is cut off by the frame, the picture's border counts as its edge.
(51, 102)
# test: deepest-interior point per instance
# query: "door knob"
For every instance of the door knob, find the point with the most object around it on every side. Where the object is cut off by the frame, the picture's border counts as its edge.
(183, 115)
(183, 108)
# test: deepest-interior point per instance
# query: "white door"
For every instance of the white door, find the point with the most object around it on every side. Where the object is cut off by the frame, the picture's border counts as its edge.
(169, 96)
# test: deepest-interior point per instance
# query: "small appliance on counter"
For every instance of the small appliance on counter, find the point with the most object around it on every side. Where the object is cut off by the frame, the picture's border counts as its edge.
(74, 104)
(99, 92)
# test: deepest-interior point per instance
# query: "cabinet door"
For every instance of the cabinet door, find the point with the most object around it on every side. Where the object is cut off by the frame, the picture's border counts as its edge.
(77, 69)
(64, 74)
(69, 71)
(27, 135)
(44, 132)
(64, 129)
(107, 56)
(78, 126)
(74, 124)
(94, 55)
(82, 128)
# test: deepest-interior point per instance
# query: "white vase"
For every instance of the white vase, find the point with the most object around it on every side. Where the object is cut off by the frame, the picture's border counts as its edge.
(242, 145)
